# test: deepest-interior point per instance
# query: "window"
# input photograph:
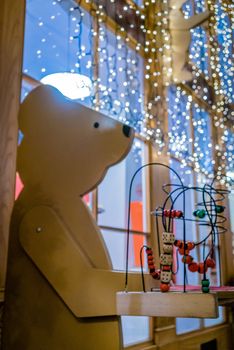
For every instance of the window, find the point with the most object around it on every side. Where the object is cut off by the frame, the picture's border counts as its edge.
(113, 208)
(121, 79)
(180, 137)
(194, 232)
(96, 41)
(202, 139)
(198, 51)
(225, 44)
(190, 144)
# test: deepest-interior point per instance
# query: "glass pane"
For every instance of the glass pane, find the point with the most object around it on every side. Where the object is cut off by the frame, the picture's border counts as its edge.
(202, 140)
(116, 243)
(135, 329)
(121, 79)
(185, 325)
(225, 52)
(113, 192)
(179, 123)
(209, 322)
(198, 51)
(58, 38)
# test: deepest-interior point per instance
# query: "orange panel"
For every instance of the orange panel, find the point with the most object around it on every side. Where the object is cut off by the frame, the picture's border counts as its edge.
(137, 224)
(18, 186)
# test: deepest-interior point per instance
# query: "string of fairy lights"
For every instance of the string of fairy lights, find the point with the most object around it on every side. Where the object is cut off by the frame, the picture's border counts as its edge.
(119, 72)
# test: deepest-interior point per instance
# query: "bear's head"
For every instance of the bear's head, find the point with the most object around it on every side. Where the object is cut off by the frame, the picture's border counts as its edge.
(65, 144)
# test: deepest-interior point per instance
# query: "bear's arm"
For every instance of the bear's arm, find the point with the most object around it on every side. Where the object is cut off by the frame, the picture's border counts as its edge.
(48, 244)
(178, 23)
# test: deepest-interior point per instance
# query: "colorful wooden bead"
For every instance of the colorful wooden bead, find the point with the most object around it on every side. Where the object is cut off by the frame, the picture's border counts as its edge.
(179, 214)
(168, 237)
(166, 259)
(193, 267)
(187, 259)
(205, 282)
(178, 243)
(205, 286)
(164, 287)
(149, 251)
(219, 209)
(156, 274)
(166, 267)
(167, 248)
(202, 267)
(210, 263)
(183, 251)
(172, 213)
(165, 276)
(205, 289)
(190, 245)
(200, 213)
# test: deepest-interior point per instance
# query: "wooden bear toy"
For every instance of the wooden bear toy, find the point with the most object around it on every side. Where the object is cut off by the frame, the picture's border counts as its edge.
(60, 291)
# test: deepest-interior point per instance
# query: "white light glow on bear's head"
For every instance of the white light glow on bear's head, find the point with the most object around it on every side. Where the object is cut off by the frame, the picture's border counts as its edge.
(72, 85)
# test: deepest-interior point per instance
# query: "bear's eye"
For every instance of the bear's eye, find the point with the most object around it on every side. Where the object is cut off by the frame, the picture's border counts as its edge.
(96, 125)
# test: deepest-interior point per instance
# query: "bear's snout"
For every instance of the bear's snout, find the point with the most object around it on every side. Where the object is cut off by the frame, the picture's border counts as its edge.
(126, 130)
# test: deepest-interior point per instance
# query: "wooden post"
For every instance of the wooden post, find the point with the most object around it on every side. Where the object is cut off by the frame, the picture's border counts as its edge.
(11, 45)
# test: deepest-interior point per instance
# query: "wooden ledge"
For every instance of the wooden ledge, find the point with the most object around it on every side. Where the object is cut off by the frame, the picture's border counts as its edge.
(175, 303)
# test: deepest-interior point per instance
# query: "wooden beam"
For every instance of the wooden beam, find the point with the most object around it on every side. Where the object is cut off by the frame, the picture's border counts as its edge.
(173, 304)
(11, 46)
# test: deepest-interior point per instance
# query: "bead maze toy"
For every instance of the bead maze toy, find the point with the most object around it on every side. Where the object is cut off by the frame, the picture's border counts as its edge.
(172, 246)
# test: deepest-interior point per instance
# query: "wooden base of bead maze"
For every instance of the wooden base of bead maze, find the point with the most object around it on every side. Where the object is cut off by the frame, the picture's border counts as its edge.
(193, 303)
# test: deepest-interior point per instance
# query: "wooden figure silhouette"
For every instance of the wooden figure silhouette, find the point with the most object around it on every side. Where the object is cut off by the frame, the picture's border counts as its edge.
(60, 291)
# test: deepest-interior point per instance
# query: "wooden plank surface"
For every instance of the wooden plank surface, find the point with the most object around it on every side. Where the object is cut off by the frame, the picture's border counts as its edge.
(224, 293)
(173, 304)
(11, 44)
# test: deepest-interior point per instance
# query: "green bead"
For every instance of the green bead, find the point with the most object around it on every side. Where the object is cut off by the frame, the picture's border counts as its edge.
(201, 213)
(219, 208)
(205, 289)
(205, 283)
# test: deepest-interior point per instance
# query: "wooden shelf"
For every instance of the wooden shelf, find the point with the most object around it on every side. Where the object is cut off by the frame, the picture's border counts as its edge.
(176, 303)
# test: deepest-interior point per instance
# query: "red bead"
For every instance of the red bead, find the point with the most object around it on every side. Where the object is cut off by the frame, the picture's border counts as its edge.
(193, 267)
(210, 263)
(179, 213)
(164, 287)
(177, 243)
(150, 258)
(166, 268)
(149, 251)
(173, 214)
(202, 268)
(151, 266)
(187, 259)
(183, 252)
(156, 274)
(190, 245)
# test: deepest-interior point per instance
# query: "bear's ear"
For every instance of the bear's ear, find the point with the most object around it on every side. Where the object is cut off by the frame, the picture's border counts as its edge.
(37, 106)
(177, 3)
